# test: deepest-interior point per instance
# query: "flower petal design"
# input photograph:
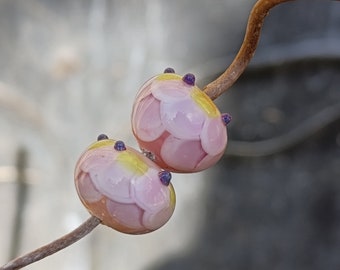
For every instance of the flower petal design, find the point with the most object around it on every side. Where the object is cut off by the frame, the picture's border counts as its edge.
(208, 161)
(214, 136)
(170, 91)
(120, 186)
(114, 183)
(182, 154)
(107, 177)
(148, 124)
(145, 90)
(97, 158)
(183, 128)
(129, 215)
(156, 220)
(149, 192)
(182, 119)
(86, 188)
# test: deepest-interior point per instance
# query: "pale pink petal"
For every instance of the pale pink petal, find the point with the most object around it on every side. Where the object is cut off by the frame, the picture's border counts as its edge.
(154, 221)
(149, 193)
(182, 154)
(170, 90)
(214, 136)
(114, 182)
(208, 161)
(183, 119)
(145, 90)
(86, 189)
(97, 158)
(146, 121)
(129, 215)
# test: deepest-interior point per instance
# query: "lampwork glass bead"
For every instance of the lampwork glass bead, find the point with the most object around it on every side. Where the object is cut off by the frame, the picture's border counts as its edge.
(177, 124)
(123, 188)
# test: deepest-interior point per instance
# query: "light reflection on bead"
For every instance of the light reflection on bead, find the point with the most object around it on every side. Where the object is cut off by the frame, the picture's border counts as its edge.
(178, 124)
(124, 189)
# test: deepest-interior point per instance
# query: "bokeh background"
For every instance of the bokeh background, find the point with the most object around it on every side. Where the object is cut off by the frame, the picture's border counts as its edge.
(70, 70)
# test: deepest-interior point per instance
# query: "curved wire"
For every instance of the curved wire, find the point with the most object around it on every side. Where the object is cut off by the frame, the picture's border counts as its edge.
(53, 247)
(247, 50)
(213, 90)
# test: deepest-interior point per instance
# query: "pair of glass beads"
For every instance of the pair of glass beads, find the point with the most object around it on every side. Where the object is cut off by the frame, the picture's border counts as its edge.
(178, 128)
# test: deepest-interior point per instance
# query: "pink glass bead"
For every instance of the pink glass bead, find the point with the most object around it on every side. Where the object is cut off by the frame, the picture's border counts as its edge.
(178, 125)
(123, 188)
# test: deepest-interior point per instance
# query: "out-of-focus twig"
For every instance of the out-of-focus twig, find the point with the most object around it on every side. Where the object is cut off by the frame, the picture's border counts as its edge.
(21, 199)
(283, 142)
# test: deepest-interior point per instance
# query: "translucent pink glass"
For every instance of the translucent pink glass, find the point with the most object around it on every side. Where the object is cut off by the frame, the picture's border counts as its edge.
(123, 188)
(177, 125)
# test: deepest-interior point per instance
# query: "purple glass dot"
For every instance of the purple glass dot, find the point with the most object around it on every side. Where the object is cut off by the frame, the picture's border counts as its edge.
(189, 79)
(102, 137)
(165, 177)
(226, 118)
(169, 70)
(120, 146)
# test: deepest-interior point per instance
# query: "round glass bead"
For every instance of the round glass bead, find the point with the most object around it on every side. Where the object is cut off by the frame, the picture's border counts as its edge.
(123, 188)
(178, 124)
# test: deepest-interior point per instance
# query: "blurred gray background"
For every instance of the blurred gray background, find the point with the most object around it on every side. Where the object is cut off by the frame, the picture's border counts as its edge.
(70, 70)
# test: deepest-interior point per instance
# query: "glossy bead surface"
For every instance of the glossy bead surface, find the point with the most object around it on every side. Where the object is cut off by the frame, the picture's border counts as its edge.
(123, 188)
(178, 125)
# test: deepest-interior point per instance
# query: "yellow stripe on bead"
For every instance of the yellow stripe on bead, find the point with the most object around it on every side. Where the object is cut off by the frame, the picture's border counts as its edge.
(172, 196)
(204, 102)
(132, 162)
(101, 143)
(168, 76)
